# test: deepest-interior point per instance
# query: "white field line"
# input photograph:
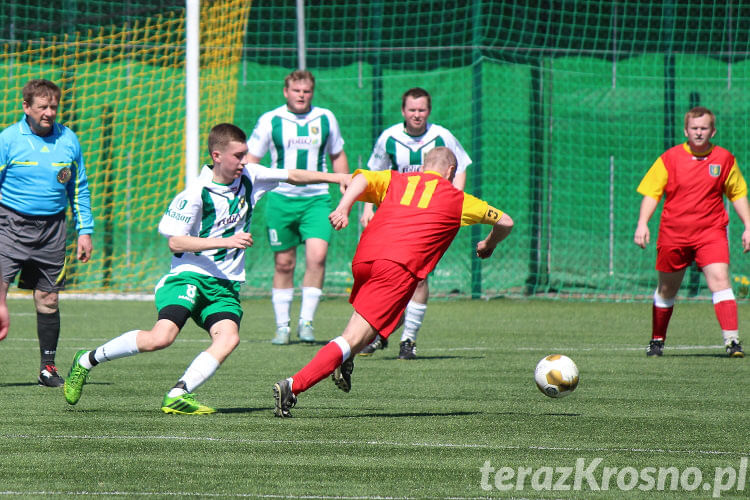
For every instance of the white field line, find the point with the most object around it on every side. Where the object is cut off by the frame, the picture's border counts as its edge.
(374, 444)
(230, 495)
(624, 348)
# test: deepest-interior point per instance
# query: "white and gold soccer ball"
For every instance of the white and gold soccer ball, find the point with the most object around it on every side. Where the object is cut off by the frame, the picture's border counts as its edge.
(556, 375)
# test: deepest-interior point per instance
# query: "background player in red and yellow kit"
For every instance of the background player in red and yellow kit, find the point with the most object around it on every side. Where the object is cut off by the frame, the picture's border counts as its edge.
(693, 178)
(419, 214)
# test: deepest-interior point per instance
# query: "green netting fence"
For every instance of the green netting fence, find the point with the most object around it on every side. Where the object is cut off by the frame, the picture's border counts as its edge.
(562, 105)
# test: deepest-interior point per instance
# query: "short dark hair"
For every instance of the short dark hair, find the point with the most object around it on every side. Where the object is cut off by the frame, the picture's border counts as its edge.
(297, 75)
(416, 93)
(40, 88)
(222, 134)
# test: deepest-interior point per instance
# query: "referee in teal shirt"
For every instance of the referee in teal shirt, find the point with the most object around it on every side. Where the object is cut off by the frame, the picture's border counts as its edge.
(41, 172)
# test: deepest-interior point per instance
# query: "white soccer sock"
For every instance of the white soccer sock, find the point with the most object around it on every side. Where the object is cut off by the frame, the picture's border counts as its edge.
(281, 298)
(660, 301)
(413, 318)
(346, 349)
(310, 301)
(84, 361)
(730, 335)
(119, 347)
(201, 369)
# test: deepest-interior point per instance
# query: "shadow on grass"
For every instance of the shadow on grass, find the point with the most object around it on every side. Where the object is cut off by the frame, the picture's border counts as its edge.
(36, 384)
(244, 410)
(418, 358)
(532, 414)
(406, 414)
(698, 355)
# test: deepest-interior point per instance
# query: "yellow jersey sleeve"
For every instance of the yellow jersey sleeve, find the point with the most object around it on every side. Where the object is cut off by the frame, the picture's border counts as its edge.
(655, 180)
(735, 186)
(377, 185)
(476, 211)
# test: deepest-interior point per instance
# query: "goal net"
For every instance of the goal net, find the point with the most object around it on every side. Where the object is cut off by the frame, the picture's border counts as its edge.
(562, 106)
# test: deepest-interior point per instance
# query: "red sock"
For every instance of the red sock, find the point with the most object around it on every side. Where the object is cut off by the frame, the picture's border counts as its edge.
(660, 321)
(726, 313)
(323, 364)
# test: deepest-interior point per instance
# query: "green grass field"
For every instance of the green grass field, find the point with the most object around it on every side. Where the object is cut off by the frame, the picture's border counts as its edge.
(465, 420)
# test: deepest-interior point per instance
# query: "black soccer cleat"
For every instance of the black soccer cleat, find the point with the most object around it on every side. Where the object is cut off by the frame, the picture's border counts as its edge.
(655, 348)
(734, 349)
(49, 377)
(284, 399)
(342, 375)
(378, 343)
(407, 350)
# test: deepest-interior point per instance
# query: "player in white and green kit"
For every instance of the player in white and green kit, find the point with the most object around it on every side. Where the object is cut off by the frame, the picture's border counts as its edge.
(402, 147)
(207, 227)
(299, 136)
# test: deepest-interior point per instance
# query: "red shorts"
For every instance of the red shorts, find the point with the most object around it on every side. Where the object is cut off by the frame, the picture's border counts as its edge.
(381, 291)
(670, 259)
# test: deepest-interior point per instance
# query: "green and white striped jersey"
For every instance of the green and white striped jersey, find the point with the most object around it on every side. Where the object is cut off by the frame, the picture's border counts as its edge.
(210, 210)
(397, 150)
(297, 142)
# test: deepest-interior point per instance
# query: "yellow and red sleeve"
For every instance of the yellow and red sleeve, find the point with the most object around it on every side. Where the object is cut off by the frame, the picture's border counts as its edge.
(377, 185)
(476, 211)
(655, 180)
(735, 186)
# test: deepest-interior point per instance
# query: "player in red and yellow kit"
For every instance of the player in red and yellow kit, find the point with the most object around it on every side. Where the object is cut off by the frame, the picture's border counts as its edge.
(419, 215)
(694, 177)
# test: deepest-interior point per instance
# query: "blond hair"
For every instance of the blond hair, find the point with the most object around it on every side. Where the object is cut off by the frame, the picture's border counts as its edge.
(299, 75)
(439, 159)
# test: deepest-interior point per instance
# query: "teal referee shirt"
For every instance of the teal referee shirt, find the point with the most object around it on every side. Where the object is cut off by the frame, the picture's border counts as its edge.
(41, 175)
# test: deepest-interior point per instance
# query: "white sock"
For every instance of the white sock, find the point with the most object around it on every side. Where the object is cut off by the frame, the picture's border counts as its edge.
(660, 301)
(730, 335)
(119, 347)
(176, 391)
(84, 360)
(281, 298)
(310, 301)
(203, 366)
(413, 318)
(346, 349)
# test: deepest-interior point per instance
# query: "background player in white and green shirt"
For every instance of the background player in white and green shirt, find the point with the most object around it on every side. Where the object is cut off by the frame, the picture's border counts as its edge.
(207, 227)
(402, 147)
(299, 136)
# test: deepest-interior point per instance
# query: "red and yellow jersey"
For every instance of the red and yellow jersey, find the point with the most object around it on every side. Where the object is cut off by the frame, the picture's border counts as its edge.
(419, 214)
(693, 187)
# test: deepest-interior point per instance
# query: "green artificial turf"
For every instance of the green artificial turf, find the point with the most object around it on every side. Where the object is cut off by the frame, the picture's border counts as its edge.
(461, 421)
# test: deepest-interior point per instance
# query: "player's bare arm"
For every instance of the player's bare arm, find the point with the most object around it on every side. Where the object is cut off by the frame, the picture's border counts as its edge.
(500, 230)
(178, 244)
(4, 314)
(340, 164)
(368, 212)
(300, 177)
(642, 235)
(742, 207)
(339, 218)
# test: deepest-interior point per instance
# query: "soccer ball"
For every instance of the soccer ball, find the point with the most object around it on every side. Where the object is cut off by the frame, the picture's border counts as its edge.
(556, 375)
